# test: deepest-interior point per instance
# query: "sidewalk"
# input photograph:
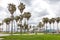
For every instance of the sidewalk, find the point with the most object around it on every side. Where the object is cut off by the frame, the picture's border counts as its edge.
(1, 38)
(4, 34)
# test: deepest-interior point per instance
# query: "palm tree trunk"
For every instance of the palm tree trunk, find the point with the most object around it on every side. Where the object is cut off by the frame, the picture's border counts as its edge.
(6, 27)
(9, 27)
(46, 27)
(57, 28)
(53, 27)
(28, 27)
(21, 27)
(17, 27)
(12, 25)
(2, 28)
(50, 27)
(21, 30)
(24, 30)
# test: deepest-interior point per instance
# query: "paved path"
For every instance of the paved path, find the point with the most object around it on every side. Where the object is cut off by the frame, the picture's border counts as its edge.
(18, 34)
(4, 34)
(1, 38)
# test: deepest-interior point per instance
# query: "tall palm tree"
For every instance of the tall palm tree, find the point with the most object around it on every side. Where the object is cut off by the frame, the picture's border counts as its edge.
(21, 7)
(21, 26)
(27, 15)
(12, 9)
(45, 21)
(7, 21)
(17, 19)
(25, 26)
(53, 21)
(50, 23)
(40, 25)
(58, 20)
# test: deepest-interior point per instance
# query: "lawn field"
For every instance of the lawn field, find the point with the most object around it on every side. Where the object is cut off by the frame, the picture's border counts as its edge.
(33, 37)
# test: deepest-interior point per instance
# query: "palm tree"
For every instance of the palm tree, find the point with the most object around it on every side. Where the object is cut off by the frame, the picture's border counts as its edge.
(45, 21)
(21, 18)
(58, 20)
(17, 19)
(7, 21)
(21, 7)
(53, 21)
(12, 9)
(50, 23)
(25, 26)
(40, 25)
(27, 15)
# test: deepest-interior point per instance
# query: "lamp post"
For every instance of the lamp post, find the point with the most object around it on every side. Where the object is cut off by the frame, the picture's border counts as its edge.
(11, 9)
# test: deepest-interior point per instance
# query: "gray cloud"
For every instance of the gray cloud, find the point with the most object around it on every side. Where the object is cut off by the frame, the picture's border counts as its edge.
(1, 8)
(28, 2)
(52, 1)
(43, 13)
(58, 13)
(37, 16)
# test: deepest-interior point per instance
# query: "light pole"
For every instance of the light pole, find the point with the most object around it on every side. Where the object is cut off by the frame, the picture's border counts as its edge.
(12, 9)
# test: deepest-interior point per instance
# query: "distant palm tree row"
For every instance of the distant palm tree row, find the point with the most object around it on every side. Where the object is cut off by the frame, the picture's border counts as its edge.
(50, 21)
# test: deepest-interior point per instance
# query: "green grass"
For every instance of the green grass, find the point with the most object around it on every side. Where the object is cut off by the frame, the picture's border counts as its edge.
(33, 37)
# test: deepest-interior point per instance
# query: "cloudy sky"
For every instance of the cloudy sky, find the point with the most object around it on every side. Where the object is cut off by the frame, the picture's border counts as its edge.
(38, 9)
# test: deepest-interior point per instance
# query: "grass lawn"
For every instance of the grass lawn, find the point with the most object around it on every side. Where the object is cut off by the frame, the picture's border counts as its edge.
(33, 37)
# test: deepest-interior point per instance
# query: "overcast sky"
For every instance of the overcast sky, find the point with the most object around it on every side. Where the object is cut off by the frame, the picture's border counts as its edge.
(38, 9)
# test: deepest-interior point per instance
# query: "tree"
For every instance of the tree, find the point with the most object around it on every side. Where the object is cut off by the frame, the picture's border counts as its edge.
(53, 21)
(12, 9)
(21, 7)
(17, 19)
(25, 26)
(40, 25)
(45, 21)
(27, 15)
(21, 26)
(58, 20)
(7, 21)
(50, 23)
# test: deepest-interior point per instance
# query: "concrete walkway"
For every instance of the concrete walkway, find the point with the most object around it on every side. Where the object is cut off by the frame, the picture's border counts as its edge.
(4, 34)
(1, 38)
